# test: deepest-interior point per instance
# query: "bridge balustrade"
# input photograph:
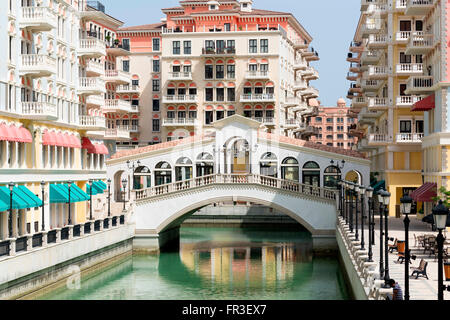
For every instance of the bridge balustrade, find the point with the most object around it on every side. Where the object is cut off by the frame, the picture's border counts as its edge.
(277, 183)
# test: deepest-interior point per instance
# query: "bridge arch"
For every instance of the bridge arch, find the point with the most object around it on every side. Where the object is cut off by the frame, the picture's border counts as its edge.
(354, 176)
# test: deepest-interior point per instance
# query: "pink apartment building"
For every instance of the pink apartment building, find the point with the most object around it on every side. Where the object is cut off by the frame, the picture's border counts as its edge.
(334, 124)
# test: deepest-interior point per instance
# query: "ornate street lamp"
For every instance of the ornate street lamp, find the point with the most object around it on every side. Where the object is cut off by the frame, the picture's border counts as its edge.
(132, 166)
(344, 186)
(381, 209)
(337, 164)
(124, 184)
(109, 197)
(350, 212)
(43, 204)
(440, 213)
(11, 188)
(362, 190)
(386, 197)
(70, 185)
(90, 199)
(356, 189)
(405, 208)
(369, 194)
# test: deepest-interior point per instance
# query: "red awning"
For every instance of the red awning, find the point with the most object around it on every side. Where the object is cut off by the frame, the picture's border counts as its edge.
(75, 142)
(425, 104)
(425, 193)
(98, 148)
(65, 140)
(87, 144)
(25, 135)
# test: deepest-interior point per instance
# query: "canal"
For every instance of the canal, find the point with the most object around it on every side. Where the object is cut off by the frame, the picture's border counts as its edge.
(220, 263)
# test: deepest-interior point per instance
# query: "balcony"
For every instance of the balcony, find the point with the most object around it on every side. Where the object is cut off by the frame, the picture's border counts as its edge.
(257, 75)
(116, 105)
(410, 138)
(376, 103)
(419, 43)
(378, 72)
(117, 50)
(133, 128)
(300, 85)
(92, 48)
(370, 57)
(134, 109)
(377, 41)
(408, 101)
(182, 76)
(118, 134)
(291, 124)
(418, 7)
(264, 97)
(376, 139)
(379, 8)
(419, 85)
(355, 67)
(310, 55)
(310, 74)
(265, 121)
(39, 111)
(401, 5)
(92, 123)
(180, 122)
(95, 100)
(366, 3)
(352, 76)
(354, 88)
(37, 65)
(223, 52)
(38, 19)
(299, 44)
(117, 76)
(307, 131)
(92, 86)
(358, 102)
(126, 88)
(372, 26)
(402, 37)
(310, 92)
(94, 69)
(192, 98)
(291, 102)
(409, 69)
(301, 107)
(300, 65)
(371, 85)
(356, 47)
(353, 58)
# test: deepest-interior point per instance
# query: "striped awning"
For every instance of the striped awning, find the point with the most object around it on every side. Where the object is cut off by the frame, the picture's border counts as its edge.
(425, 193)
(14, 134)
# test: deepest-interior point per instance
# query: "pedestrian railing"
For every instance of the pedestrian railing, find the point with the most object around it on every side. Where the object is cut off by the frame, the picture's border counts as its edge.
(37, 240)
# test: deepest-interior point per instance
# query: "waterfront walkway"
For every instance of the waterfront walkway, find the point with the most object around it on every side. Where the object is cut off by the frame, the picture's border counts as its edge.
(421, 288)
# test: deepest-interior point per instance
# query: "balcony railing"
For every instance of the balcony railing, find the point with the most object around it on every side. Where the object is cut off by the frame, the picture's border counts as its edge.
(92, 122)
(117, 104)
(403, 36)
(257, 74)
(418, 7)
(92, 47)
(117, 76)
(126, 88)
(92, 85)
(291, 101)
(95, 67)
(38, 65)
(377, 138)
(420, 43)
(38, 19)
(180, 76)
(300, 65)
(377, 40)
(408, 101)
(179, 122)
(370, 57)
(291, 123)
(410, 68)
(300, 85)
(378, 72)
(118, 133)
(401, 4)
(192, 98)
(359, 101)
(219, 51)
(419, 84)
(266, 121)
(257, 97)
(377, 103)
(39, 110)
(409, 137)
(310, 92)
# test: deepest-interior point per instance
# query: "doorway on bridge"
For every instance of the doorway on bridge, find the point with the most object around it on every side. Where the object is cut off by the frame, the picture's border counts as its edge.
(241, 157)
(205, 165)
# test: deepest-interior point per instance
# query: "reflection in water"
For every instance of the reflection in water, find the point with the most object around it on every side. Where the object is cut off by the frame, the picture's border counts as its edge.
(221, 263)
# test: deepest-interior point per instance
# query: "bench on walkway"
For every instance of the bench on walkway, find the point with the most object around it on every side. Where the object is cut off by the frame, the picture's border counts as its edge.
(421, 270)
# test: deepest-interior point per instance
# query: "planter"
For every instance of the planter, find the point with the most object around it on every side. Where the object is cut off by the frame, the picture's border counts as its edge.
(400, 246)
(447, 271)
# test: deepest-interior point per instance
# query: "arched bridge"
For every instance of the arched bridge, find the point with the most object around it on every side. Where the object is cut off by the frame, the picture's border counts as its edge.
(171, 204)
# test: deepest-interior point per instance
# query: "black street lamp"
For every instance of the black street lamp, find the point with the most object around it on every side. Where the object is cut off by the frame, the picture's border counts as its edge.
(381, 209)
(356, 193)
(90, 199)
(362, 190)
(132, 166)
(344, 184)
(70, 185)
(406, 203)
(339, 184)
(369, 194)
(386, 197)
(109, 197)
(350, 211)
(43, 204)
(440, 213)
(124, 184)
(10, 227)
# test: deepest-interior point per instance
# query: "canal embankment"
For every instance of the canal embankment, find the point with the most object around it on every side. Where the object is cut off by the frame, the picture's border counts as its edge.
(63, 255)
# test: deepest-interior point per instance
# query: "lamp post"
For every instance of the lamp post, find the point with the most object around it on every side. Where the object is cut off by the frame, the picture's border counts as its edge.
(350, 211)
(381, 205)
(90, 199)
(70, 185)
(369, 194)
(124, 184)
(440, 213)
(11, 188)
(356, 193)
(386, 197)
(132, 166)
(43, 204)
(345, 202)
(406, 202)
(362, 190)
(109, 197)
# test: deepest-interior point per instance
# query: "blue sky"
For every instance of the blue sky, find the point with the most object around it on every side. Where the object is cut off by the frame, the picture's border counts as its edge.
(331, 23)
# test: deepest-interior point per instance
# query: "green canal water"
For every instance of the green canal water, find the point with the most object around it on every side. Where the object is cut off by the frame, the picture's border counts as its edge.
(220, 263)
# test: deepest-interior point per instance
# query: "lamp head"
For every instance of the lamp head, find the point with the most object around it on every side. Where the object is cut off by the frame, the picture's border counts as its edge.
(440, 213)
(69, 183)
(11, 186)
(124, 183)
(362, 189)
(380, 196)
(406, 204)
(43, 184)
(91, 181)
(369, 192)
(108, 182)
(386, 197)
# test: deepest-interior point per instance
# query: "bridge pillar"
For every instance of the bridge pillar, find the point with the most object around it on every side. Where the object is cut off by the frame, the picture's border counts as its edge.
(149, 241)
(324, 244)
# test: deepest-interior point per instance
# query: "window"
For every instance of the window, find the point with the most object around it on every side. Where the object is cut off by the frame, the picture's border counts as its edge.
(268, 165)
(209, 45)
(329, 128)
(231, 71)
(330, 137)
(208, 117)
(227, 26)
(264, 46)
(340, 136)
(329, 120)
(192, 114)
(419, 126)
(155, 44)
(258, 90)
(311, 174)
(264, 68)
(126, 65)
(170, 114)
(135, 82)
(134, 102)
(231, 113)
(220, 71)
(405, 58)
(155, 85)
(231, 94)
(209, 94)
(220, 94)
(319, 119)
(331, 176)
(253, 46)
(220, 45)
(289, 169)
(209, 73)
(248, 113)
(231, 44)
(220, 115)
(253, 67)
(155, 65)
(405, 126)
(187, 47)
(126, 44)
(155, 125)
(181, 114)
(247, 90)
(176, 47)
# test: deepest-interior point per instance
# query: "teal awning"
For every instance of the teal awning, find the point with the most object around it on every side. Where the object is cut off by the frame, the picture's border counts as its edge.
(17, 201)
(34, 198)
(102, 184)
(59, 193)
(97, 185)
(377, 186)
(3, 206)
(88, 188)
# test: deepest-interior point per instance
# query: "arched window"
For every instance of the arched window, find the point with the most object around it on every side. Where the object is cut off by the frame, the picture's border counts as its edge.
(204, 164)
(163, 173)
(331, 176)
(183, 169)
(269, 165)
(142, 178)
(289, 169)
(311, 174)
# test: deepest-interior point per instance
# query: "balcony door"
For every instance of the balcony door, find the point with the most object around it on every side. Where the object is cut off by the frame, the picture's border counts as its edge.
(405, 126)
(403, 89)
(405, 25)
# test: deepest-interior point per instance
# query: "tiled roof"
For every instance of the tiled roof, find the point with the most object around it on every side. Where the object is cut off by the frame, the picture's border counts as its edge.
(153, 26)
(311, 145)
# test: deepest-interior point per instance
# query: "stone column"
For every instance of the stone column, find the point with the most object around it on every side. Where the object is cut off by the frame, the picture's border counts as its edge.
(29, 242)
(44, 238)
(70, 232)
(58, 235)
